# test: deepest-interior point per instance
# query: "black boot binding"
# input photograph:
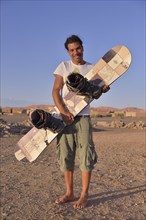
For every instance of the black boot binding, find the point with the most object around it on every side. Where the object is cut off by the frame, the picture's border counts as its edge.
(41, 119)
(81, 86)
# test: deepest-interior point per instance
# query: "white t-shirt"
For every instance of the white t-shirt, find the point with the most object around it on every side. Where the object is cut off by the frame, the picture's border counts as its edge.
(67, 67)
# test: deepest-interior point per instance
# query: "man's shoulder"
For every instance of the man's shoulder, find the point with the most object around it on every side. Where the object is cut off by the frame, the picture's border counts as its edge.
(89, 64)
(65, 63)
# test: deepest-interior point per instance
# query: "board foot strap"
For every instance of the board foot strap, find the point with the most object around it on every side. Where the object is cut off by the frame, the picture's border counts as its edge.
(81, 86)
(42, 119)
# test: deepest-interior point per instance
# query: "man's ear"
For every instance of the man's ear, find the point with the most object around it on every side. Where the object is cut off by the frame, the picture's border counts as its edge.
(68, 52)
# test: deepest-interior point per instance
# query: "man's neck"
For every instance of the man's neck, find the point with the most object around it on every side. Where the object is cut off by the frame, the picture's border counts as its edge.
(79, 63)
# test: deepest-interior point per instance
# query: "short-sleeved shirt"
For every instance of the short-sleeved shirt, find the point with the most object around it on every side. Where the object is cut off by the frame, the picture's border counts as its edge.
(67, 67)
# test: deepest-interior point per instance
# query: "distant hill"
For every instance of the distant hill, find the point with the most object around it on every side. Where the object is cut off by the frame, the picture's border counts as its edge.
(100, 108)
(39, 106)
(94, 109)
(133, 109)
(112, 109)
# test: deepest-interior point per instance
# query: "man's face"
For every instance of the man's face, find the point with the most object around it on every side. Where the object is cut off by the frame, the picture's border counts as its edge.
(75, 51)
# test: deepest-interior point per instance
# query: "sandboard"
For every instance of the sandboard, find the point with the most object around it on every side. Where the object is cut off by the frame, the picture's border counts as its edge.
(106, 71)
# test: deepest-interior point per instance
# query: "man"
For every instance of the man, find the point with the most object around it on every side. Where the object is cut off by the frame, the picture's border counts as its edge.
(78, 133)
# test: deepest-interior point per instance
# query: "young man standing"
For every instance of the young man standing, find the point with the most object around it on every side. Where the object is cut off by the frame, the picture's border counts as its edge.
(78, 133)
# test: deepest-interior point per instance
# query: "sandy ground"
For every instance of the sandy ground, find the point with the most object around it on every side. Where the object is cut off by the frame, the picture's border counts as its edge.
(117, 189)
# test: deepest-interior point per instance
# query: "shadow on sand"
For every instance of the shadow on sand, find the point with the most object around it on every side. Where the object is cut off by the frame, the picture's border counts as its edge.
(99, 129)
(112, 195)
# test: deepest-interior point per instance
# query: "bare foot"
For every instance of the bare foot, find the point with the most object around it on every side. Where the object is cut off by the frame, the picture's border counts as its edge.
(82, 202)
(65, 198)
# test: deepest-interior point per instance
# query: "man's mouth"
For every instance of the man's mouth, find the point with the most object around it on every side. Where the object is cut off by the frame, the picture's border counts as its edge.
(78, 56)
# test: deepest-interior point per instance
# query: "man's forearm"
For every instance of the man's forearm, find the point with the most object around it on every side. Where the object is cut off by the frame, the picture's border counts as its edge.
(59, 102)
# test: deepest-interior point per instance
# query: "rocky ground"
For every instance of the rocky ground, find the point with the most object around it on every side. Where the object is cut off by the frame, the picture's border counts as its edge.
(117, 189)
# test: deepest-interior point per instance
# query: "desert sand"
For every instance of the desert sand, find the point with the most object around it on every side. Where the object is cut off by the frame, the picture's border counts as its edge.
(117, 189)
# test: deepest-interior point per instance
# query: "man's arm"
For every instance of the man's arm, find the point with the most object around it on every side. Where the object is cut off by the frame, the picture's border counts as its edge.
(58, 84)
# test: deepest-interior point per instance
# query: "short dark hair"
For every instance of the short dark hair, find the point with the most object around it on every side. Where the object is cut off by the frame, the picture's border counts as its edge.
(72, 39)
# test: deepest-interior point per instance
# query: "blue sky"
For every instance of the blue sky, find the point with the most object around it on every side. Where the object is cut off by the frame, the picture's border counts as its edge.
(32, 45)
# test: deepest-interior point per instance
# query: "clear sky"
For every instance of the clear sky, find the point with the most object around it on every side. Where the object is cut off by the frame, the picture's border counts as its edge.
(32, 45)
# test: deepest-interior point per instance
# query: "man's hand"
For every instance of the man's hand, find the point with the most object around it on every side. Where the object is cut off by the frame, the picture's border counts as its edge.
(105, 88)
(67, 117)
